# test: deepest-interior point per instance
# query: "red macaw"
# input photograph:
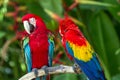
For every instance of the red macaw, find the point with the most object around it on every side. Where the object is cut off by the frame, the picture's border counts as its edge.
(79, 48)
(38, 45)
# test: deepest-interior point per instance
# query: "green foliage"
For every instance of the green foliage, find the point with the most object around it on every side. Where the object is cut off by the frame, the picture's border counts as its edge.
(115, 10)
(2, 34)
(65, 77)
(98, 20)
(104, 35)
(53, 5)
(3, 10)
(116, 77)
(38, 10)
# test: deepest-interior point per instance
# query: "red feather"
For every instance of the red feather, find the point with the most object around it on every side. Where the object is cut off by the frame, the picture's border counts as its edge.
(39, 49)
(68, 27)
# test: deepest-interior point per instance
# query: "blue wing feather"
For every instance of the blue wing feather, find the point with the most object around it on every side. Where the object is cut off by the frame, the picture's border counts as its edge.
(27, 53)
(51, 50)
(69, 49)
(91, 68)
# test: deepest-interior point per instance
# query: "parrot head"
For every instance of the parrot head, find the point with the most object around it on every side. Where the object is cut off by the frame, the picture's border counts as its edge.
(31, 22)
(65, 24)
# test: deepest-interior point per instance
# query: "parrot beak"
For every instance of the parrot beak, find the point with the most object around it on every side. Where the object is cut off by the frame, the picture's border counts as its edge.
(60, 32)
(28, 27)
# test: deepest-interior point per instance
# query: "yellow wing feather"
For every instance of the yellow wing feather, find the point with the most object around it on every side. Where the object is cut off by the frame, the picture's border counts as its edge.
(83, 53)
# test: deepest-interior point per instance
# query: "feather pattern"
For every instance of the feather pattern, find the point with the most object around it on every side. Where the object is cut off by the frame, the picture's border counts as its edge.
(38, 47)
(83, 52)
(91, 68)
(27, 53)
(79, 48)
(69, 49)
(51, 50)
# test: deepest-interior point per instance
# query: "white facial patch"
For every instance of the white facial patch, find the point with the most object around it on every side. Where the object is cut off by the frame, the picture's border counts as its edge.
(32, 21)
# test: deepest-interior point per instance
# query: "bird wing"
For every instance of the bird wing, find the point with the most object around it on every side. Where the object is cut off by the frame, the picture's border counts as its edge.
(87, 60)
(51, 49)
(27, 53)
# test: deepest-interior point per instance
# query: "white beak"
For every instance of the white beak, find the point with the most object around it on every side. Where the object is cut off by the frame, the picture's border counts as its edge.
(26, 26)
(60, 32)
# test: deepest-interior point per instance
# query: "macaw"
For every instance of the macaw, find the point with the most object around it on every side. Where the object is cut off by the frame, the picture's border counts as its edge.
(38, 45)
(79, 48)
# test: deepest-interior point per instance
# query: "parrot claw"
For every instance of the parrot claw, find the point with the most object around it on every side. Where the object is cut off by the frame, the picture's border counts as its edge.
(45, 69)
(35, 70)
(76, 68)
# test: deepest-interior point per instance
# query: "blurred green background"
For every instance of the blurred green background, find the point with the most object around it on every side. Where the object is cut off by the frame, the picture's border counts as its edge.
(99, 20)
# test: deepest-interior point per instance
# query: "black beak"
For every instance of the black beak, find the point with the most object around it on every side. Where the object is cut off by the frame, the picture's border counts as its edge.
(31, 28)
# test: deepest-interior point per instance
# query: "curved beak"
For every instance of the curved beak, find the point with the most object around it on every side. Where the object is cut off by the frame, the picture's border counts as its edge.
(60, 31)
(26, 26)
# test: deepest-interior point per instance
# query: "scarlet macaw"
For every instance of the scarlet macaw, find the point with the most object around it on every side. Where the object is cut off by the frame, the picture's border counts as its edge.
(38, 45)
(79, 48)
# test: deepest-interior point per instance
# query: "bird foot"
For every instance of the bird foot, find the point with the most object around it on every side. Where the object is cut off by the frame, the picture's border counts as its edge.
(76, 68)
(35, 70)
(45, 69)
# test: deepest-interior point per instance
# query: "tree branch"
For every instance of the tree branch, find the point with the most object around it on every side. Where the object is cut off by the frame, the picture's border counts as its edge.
(51, 70)
(6, 46)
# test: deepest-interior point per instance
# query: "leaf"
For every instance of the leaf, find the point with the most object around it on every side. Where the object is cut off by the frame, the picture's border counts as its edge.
(115, 11)
(38, 10)
(111, 42)
(65, 77)
(78, 22)
(106, 42)
(2, 34)
(116, 77)
(82, 77)
(52, 25)
(95, 3)
(3, 10)
(117, 52)
(96, 35)
(52, 5)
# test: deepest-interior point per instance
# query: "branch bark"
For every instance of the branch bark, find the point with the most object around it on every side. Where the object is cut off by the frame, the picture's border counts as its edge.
(5, 47)
(51, 70)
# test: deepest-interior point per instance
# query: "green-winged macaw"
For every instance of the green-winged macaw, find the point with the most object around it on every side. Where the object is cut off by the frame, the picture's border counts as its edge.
(38, 45)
